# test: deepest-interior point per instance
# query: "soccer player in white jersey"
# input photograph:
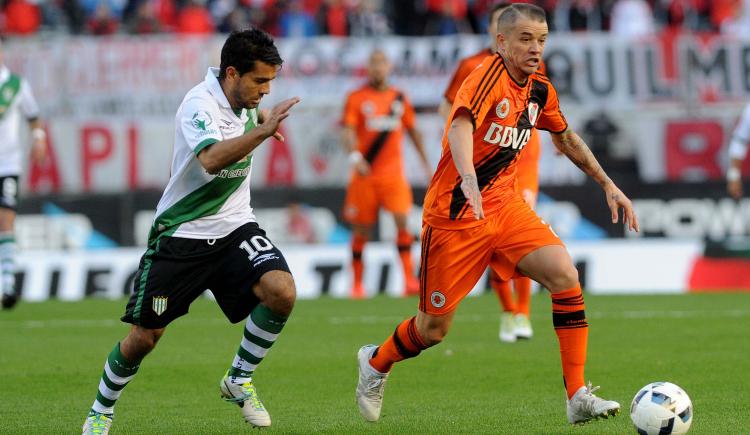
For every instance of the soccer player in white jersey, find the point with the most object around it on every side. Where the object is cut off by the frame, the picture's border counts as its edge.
(204, 234)
(737, 153)
(16, 102)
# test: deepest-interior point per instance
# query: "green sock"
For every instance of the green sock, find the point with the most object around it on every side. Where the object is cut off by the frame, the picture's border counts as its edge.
(261, 331)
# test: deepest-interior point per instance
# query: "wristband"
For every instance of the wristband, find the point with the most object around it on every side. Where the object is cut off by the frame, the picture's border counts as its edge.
(38, 134)
(733, 174)
(355, 157)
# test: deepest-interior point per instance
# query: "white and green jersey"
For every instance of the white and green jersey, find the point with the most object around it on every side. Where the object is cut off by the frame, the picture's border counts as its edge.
(16, 104)
(196, 204)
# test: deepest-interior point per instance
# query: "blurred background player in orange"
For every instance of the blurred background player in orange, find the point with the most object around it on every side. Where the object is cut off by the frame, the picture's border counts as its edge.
(374, 119)
(514, 319)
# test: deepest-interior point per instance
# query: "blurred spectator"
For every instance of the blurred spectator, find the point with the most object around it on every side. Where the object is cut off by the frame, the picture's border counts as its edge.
(102, 22)
(114, 7)
(447, 17)
(299, 227)
(296, 22)
(333, 18)
(738, 24)
(257, 17)
(684, 14)
(75, 16)
(632, 19)
(21, 17)
(145, 20)
(585, 15)
(195, 19)
(238, 19)
(367, 19)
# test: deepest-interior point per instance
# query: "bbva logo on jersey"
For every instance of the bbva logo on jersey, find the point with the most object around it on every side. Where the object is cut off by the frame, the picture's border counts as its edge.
(506, 136)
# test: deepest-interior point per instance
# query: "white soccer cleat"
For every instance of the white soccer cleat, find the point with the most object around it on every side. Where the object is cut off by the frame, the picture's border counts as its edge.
(97, 423)
(242, 392)
(370, 386)
(523, 327)
(507, 328)
(585, 406)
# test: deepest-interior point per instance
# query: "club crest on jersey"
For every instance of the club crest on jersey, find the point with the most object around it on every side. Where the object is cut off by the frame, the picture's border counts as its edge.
(368, 108)
(533, 113)
(437, 299)
(502, 108)
(159, 304)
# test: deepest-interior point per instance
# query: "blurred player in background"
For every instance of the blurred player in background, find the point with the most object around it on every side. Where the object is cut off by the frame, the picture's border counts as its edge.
(374, 119)
(473, 217)
(16, 102)
(514, 319)
(737, 154)
(205, 235)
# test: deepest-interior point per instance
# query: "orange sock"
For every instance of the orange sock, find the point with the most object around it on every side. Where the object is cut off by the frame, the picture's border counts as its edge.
(569, 319)
(358, 245)
(503, 291)
(522, 287)
(405, 342)
(403, 243)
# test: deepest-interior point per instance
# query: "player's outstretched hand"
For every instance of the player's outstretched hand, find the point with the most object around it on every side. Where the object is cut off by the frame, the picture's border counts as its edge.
(272, 119)
(734, 187)
(617, 200)
(473, 195)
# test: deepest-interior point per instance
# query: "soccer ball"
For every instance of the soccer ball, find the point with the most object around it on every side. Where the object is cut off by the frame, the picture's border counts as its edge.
(661, 408)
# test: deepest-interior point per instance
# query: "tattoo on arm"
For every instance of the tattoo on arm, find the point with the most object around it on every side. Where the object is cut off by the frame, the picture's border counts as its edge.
(570, 144)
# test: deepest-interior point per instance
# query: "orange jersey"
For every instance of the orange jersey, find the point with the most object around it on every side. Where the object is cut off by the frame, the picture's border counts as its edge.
(527, 170)
(466, 66)
(379, 119)
(504, 114)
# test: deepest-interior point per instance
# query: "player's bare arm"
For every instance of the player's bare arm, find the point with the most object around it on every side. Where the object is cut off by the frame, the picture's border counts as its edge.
(39, 144)
(462, 150)
(444, 109)
(418, 141)
(356, 159)
(222, 154)
(570, 144)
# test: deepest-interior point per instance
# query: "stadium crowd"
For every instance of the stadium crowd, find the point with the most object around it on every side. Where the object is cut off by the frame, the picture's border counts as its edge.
(305, 18)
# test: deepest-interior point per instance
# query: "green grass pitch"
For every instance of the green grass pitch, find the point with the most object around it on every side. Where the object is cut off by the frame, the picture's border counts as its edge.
(52, 354)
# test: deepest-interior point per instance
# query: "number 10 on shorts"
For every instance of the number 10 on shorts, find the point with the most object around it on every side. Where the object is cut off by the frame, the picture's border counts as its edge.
(259, 244)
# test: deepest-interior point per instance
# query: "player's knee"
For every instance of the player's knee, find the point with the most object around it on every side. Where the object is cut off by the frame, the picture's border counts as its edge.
(565, 278)
(278, 292)
(139, 342)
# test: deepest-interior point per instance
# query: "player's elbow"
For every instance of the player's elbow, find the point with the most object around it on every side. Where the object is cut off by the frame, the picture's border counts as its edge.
(209, 163)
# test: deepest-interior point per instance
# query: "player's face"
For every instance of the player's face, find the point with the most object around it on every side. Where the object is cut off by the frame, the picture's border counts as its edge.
(246, 90)
(523, 44)
(378, 68)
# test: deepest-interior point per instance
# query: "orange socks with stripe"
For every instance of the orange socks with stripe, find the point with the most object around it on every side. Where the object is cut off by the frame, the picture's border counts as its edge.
(569, 319)
(404, 343)
(358, 245)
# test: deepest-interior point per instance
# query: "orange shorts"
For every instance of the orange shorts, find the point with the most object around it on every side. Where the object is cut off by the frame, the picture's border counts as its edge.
(365, 196)
(454, 260)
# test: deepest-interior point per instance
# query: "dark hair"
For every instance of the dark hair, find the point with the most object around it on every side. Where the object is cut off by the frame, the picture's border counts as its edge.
(243, 48)
(511, 14)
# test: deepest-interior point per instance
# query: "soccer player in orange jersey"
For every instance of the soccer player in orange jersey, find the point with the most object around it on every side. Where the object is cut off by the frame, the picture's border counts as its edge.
(375, 116)
(473, 217)
(514, 318)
